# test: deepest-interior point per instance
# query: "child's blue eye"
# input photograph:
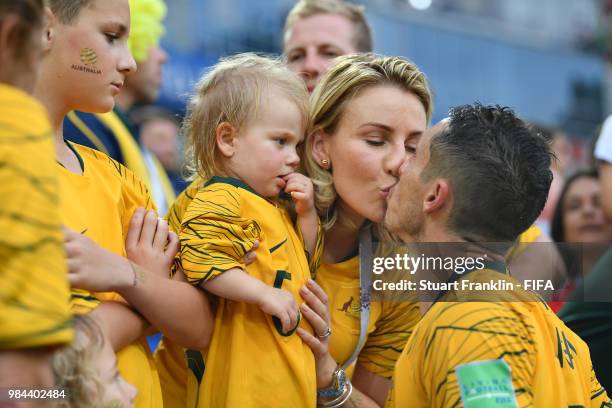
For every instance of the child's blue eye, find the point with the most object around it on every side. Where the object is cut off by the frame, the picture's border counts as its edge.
(281, 141)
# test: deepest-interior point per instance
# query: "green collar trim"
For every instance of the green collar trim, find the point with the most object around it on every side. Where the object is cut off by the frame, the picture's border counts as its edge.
(231, 181)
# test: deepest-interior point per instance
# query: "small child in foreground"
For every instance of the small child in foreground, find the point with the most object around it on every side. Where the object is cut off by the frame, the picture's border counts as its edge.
(87, 370)
(245, 122)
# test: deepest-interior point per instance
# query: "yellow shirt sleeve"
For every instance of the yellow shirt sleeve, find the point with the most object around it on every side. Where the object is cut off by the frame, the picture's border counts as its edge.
(385, 344)
(180, 205)
(455, 334)
(314, 259)
(214, 236)
(479, 354)
(34, 293)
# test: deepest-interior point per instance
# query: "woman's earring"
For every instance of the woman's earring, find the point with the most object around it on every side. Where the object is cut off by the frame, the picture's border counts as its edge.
(325, 164)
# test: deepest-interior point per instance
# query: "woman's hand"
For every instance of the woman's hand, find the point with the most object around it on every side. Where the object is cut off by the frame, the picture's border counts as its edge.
(92, 267)
(315, 309)
(149, 242)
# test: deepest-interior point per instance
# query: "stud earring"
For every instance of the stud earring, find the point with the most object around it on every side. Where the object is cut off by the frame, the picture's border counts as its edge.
(325, 163)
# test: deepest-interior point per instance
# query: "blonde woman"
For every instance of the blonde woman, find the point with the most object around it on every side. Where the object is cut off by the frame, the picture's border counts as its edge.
(364, 111)
(367, 113)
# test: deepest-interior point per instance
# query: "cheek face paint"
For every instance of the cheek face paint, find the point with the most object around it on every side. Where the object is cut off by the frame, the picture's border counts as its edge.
(88, 58)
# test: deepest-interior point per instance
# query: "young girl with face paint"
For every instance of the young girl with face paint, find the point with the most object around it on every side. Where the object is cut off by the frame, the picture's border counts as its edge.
(85, 62)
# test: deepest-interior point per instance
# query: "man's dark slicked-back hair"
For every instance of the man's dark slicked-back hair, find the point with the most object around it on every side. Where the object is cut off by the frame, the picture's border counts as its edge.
(499, 170)
(68, 10)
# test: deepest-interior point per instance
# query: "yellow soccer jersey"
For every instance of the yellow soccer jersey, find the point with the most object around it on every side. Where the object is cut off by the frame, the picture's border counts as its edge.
(529, 236)
(180, 205)
(514, 353)
(389, 326)
(249, 361)
(34, 292)
(169, 357)
(99, 204)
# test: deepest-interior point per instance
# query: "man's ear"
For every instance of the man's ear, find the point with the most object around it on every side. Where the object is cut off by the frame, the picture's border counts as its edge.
(49, 31)
(437, 196)
(226, 139)
(320, 149)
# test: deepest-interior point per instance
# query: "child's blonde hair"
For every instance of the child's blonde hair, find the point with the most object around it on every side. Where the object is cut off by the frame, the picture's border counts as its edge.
(75, 368)
(231, 92)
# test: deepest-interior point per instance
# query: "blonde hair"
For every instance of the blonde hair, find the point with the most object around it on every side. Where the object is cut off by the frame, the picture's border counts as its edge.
(74, 366)
(362, 33)
(231, 92)
(349, 76)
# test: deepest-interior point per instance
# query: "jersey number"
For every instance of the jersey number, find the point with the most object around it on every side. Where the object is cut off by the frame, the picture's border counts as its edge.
(278, 283)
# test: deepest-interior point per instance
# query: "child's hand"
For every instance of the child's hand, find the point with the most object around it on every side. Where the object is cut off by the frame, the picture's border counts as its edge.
(149, 242)
(302, 192)
(282, 304)
(92, 267)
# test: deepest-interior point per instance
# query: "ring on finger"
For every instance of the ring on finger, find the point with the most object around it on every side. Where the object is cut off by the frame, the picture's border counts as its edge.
(326, 334)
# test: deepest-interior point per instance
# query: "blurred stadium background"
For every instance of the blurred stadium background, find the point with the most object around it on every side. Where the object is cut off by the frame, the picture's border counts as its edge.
(548, 59)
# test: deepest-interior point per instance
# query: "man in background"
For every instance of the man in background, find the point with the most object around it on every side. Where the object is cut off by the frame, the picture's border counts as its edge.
(317, 31)
(160, 134)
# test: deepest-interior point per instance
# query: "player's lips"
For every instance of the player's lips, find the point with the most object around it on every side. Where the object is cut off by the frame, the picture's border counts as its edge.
(386, 191)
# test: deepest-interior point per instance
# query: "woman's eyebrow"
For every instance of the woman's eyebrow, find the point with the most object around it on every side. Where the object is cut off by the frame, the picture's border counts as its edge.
(376, 124)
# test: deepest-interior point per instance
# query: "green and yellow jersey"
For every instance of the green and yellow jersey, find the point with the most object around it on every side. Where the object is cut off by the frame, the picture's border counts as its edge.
(389, 326)
(34, 293)
(99, 204)
(250, 361)
(170, 358)
(511, 353)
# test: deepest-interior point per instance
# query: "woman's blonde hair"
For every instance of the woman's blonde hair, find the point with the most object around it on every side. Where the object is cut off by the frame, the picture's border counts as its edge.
(349, 76)
(232, 92)
(75, 368)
